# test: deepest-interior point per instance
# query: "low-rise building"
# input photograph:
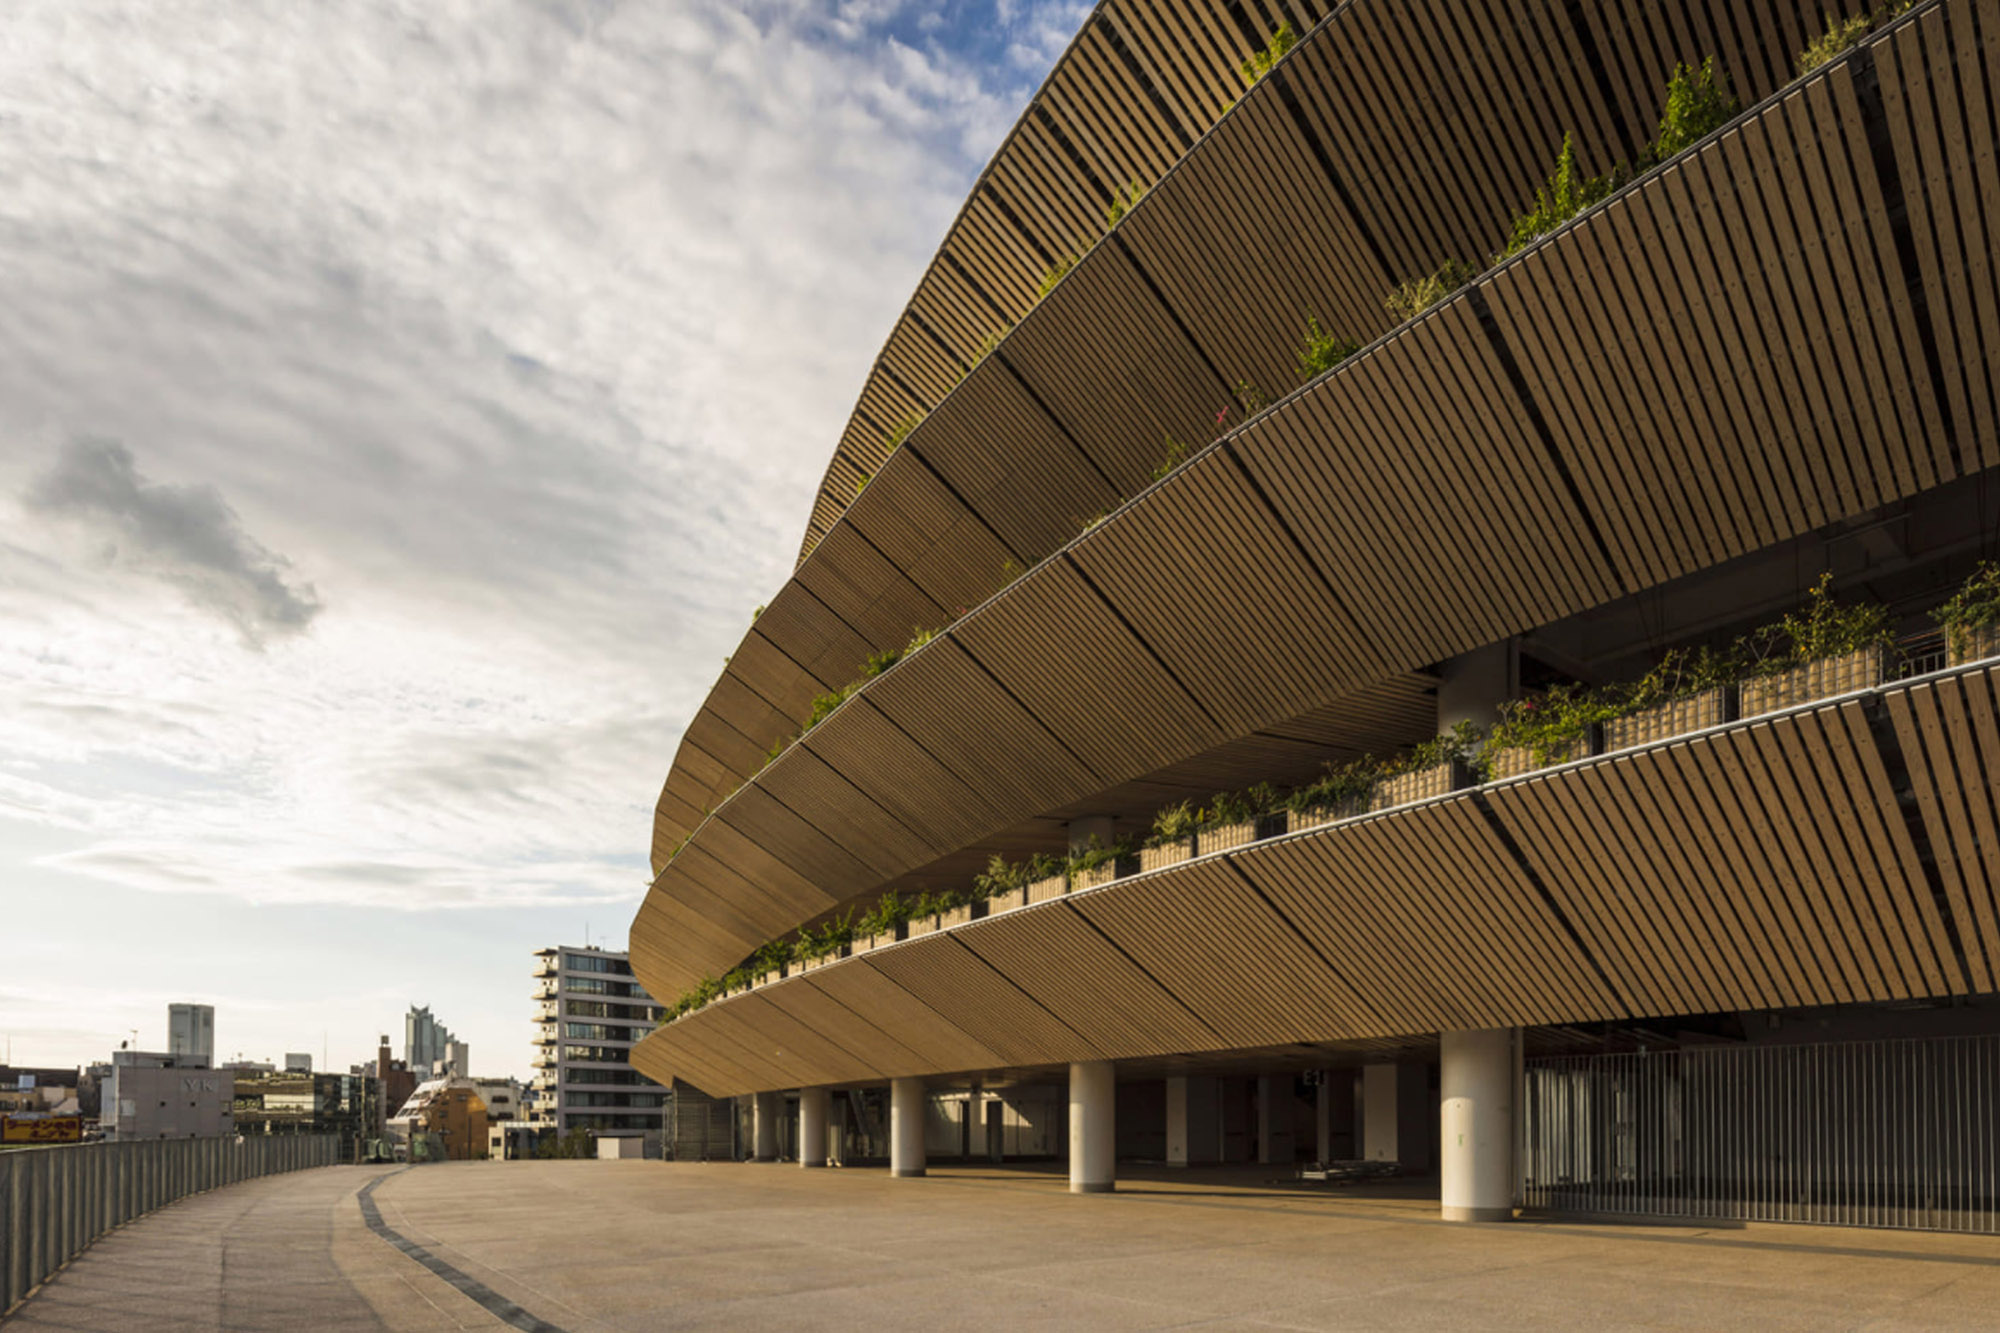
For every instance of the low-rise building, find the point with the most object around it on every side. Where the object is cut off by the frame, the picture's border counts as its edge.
(444, 1120)
(157, 1095)
(305, 1103)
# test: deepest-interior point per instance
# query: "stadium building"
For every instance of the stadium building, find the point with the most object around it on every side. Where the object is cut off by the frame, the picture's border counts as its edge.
(1407, 589)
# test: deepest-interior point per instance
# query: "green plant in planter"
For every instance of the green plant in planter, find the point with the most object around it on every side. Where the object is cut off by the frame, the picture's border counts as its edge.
(1546, 725)
(1419, 294)
(1567, 193)
(1173, 824)
(1000, 876)
(877, 663)
(1228, 807)
(1698, 104)
(1461, 744)
(1097, 854)
(901, 431)
(1825, 627)
(1122, 202)
(1250, 397)
(1322, 351)
(1337, 787)
(770, 958)
(888, 912)
(1177, 454)
(824, 705)
(1973, 608)
(1010, 569)
(1680, 673)
(1260, 62)
(1055, 273)
(1844, 35)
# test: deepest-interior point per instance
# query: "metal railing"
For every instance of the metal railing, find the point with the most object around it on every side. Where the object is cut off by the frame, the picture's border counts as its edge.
(1894, 1133)
(56, 1201)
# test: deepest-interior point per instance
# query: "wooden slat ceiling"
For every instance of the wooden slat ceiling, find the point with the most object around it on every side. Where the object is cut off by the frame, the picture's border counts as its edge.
(1767, 865)
(1727, 355)
(1377, 151)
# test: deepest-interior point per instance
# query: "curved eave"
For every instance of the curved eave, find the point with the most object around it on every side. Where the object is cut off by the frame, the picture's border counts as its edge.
(1303, 200)
(1135, 88)
(1779, 872)
(1598, 416)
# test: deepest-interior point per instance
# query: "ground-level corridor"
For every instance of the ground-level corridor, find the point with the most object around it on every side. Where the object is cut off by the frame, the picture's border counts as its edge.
(646, 1245)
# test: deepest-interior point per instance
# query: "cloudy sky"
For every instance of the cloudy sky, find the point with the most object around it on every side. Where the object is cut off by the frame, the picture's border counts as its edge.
(403, 406)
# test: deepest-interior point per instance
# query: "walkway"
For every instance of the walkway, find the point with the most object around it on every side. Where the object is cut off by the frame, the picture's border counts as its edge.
(586, 1246)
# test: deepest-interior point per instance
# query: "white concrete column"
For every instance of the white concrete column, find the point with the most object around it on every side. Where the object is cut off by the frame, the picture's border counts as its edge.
(1194, 1125)
(906, 1127)
(1274, 1120)
(812, 1126)
(1093, 1126)
(1378, 1113)
(764, 1108)
(1476, 1157)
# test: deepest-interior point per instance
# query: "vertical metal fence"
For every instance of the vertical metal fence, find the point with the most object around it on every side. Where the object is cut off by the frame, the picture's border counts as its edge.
(54, 1201)
(1899, 1133)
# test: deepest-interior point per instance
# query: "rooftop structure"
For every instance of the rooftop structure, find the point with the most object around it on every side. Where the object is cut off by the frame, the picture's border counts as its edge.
(1455, 717)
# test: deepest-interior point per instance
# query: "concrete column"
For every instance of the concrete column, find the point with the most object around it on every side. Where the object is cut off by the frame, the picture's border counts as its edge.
(1323, 1118)
(1274, 1120)
(906, 1127)
(812, 1126)
(1472, 686)
(1093, 1126)
(1194, 1122)
(1089, 829)
(1378, 1113)
(764, 1110)
(1476, 1142)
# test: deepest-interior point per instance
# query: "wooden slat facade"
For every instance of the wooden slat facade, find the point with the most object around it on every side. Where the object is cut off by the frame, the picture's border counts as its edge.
(1728, 354)
(1766, 864)
(1376, 151)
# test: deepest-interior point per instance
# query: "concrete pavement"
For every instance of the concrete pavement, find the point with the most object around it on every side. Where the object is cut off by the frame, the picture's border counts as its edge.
(644, 1245)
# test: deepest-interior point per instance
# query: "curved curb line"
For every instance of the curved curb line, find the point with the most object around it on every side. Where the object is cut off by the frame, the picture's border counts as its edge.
(499, 1306)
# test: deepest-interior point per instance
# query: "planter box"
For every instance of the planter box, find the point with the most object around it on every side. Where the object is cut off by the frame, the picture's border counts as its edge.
(1090, 879)
(1973, 645)
(1006, 901)
(957, 916)
(1418, 786)
(765, 979)
(1055, 886)
(1676, 717)
(1166, 854)
(1224, 836)
(919, 926)
(812, 964)
(1515, 760)
(1295, 821)
(1816, 680)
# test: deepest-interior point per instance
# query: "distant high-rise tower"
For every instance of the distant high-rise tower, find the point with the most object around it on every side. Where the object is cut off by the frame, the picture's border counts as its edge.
(424, 1040)
(191, 1030)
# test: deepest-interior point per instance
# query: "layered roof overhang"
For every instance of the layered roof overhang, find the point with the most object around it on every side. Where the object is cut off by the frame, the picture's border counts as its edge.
(1778, 329)
(1762, 865)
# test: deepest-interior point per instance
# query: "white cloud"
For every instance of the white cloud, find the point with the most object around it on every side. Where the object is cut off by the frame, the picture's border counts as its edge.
(501, 343)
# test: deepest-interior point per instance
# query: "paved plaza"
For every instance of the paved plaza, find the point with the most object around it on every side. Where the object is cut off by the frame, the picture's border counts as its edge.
(648, 1245)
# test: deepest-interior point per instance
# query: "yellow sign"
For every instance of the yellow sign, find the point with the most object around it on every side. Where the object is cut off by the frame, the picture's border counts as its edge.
(45, 1129)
